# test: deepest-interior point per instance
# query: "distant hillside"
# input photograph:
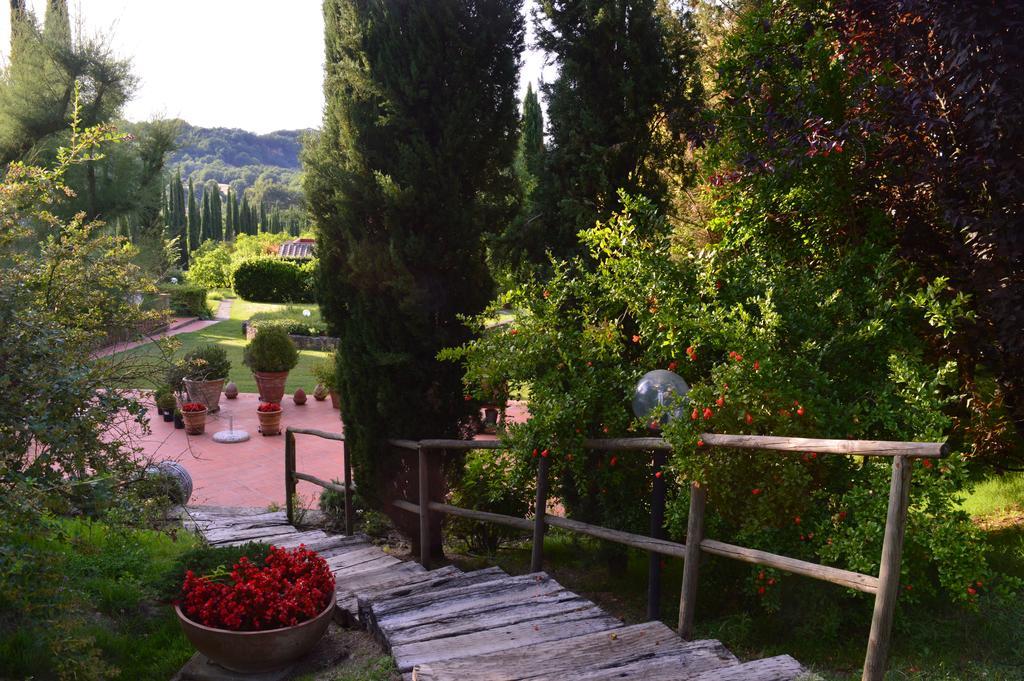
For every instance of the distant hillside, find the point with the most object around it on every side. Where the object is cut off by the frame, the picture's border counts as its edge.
(265, 165)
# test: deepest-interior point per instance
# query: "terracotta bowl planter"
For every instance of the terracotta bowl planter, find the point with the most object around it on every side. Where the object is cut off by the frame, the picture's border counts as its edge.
(256, 651)
(205, 392)
(195, 421)
(270, 422)
(270, 384)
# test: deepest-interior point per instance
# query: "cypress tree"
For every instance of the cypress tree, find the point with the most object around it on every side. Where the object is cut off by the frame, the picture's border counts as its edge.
(409, 170)
(195, 231)
(216, 224)
(176, 218)
(57, 25)
(628, 88)
(207, 219)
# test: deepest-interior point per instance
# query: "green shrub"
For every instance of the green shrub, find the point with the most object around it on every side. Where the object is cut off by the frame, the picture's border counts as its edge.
(325, 372)
(296, 327)
(211, 265)
(204, 560)
(187, 299)
(164, 398)
(271, 350)
(272, 280)
(207, 363)
(490, 482)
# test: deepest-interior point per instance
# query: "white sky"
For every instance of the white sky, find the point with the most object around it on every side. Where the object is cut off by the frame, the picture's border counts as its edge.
(251, 64)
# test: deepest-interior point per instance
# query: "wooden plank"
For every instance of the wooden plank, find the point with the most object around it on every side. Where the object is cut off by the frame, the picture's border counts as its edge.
(852, 580)
(933, 450)
(564, 659)
(780, 668)
(320, 481)
(691, 564)
(698, 658)
(304, 538)
(251, 534)
(491, 639)
(462, 602)
(369, 566)
(561, 603)
(349, 586)
(484, 516)
(468, 585)
(889, 572)
(358, 554)
(333, 544)
(639, 541)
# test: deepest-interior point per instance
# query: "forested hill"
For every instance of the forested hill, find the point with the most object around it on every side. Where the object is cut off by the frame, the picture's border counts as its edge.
(242, 159)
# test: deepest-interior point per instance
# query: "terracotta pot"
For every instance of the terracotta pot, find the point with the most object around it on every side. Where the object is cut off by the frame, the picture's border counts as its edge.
(256, 651)
(335, 402)
(299, 398)
(270, 422)
(195, 421)
(205, 392)
(270, 385)
(320, 392)
(231, 390)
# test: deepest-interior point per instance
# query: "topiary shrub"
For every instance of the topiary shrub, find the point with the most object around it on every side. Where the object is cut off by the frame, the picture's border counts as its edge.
(271, 350)
(207, 362)
(272, 280)
(187, 299)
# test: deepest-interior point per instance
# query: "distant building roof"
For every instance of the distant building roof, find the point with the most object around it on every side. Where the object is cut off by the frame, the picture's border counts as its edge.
(299, 249)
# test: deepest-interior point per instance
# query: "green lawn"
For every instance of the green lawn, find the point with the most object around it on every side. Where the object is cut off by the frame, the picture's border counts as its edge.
(997, 495)
(228, 334)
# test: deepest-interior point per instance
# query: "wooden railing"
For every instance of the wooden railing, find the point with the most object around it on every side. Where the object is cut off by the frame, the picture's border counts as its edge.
(292, 477)
(885, 586)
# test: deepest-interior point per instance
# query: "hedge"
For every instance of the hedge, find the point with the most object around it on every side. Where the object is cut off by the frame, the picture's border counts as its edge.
(272, 280)
(187, 299)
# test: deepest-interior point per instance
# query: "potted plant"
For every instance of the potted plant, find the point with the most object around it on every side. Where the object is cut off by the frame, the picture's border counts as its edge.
(207, 368)
(269, 414)
(271, 354)
(258, 617)
(325, 374)
(179, 419)
(194, 414)
(165, 403)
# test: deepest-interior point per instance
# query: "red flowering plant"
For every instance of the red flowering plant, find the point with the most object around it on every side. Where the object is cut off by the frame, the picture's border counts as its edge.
(193, 407)
(291, 587)
(268, 407)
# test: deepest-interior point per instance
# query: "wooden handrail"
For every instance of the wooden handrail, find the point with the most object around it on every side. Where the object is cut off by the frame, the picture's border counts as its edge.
(291, 476)
(318, 433)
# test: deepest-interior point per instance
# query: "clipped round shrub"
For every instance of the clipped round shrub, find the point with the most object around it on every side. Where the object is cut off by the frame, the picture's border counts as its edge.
(271, 349)
(207, 363)
(272, 280)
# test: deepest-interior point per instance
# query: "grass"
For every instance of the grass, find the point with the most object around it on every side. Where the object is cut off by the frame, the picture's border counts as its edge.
(228, 334)
(997, 496)
(109, 576)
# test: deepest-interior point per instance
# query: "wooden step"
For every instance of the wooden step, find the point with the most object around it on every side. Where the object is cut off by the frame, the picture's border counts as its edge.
(390, 577)
(572, 658)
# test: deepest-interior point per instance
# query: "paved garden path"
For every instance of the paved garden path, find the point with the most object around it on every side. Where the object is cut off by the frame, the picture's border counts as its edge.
(450, 625)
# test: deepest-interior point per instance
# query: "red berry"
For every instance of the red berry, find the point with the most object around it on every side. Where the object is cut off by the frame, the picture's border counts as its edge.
(760, 575)
(658, 474)
(971, 590)
(672, 365)
(757, 365)
(927, 463)
(695, 414)
(720, 401)
(535, 453)
(636, 338)
(760, 590)
(546, 293)
(690, 350)
(700, 443)
(708, 413)
(614, 460)
(800, 411)
(842, 516)
(514, 332)
(748, 418)
(544, 453)
(796, 520)
(739, 357)
(755, 491)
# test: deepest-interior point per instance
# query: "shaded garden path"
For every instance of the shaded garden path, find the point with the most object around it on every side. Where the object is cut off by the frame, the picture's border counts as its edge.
(450, 625)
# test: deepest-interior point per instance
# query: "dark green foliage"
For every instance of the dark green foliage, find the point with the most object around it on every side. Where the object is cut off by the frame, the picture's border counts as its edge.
(491, 482)
(205, 560)
(271, 350)
(195, 234)
(627, 91)
(298, 328)
(208, 362)
(187, 299)
(410, 169)
(273, 280)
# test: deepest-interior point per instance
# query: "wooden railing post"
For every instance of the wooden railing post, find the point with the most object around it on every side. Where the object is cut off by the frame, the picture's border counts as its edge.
(540, 509)
(657, 521)
(348, 489)
(691, 561)
(289, 474)
(424, 476)
(889, 571)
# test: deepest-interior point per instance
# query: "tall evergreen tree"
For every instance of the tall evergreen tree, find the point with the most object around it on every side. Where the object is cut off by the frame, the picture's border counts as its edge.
(628, 88)
(176, 219)
(229, 216)
(207, 219)
(216, 225)
(531, 135)
(409, 170)
(195, 229)
(57, 26)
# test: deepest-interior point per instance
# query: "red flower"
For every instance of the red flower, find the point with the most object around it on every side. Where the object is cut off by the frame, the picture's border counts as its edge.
(748, 418)
(546, 293)
(636, 338)
(658, 474)
(720, 401)
(760, 591)
(614, 460)
(700, 443)
(268, 407)
(545, 453)
(755, 491)
(673, 365)
(708, 413)
(694, 415)
(800, 411)
(927, 463)
(535, 453)
(757, 365)
(192, 407)
(796, 520)
(971, 590)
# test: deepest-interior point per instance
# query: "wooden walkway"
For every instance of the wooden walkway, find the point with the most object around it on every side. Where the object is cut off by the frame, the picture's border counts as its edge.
(450, 625)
